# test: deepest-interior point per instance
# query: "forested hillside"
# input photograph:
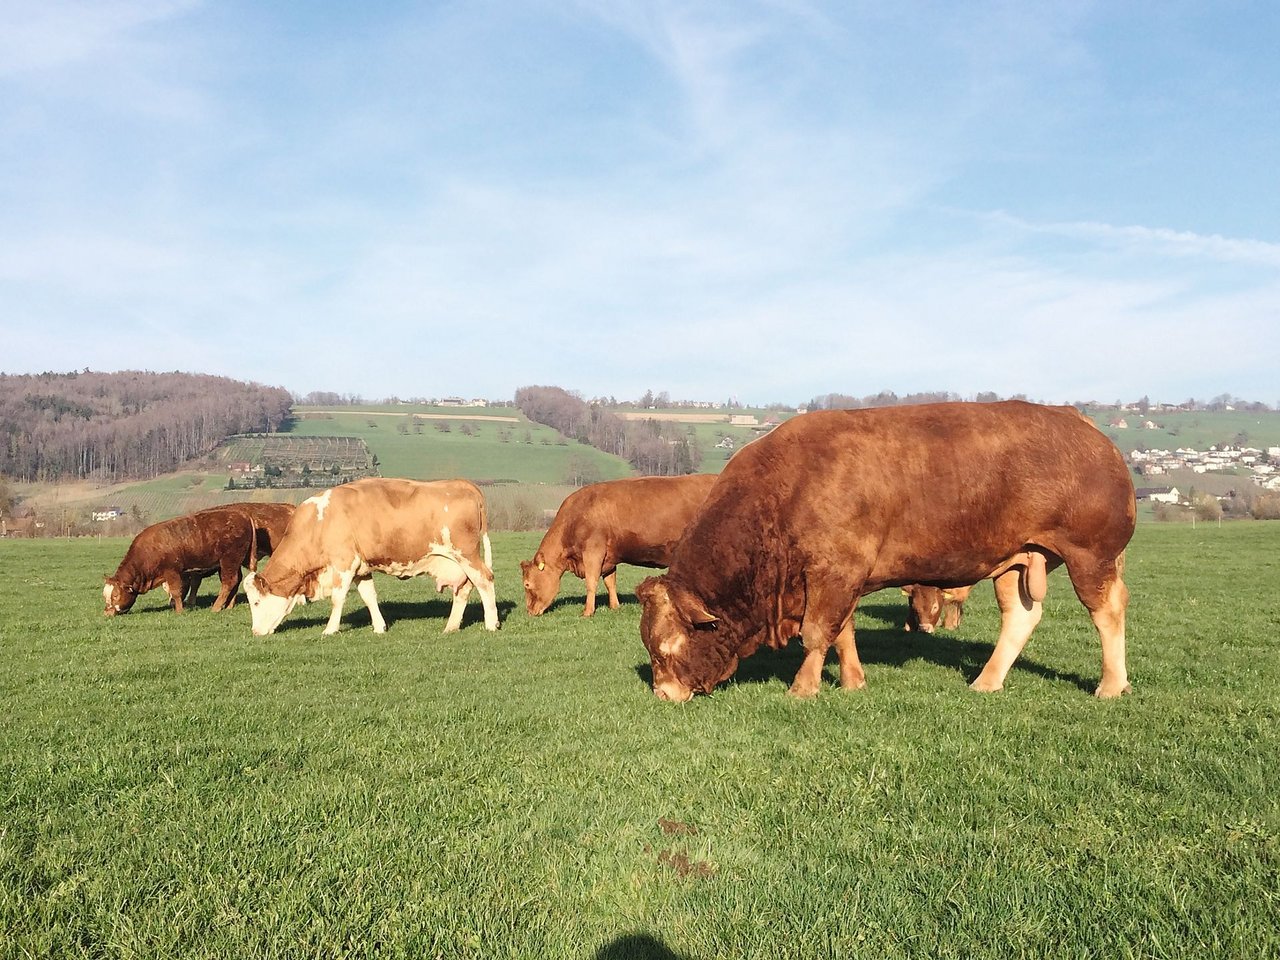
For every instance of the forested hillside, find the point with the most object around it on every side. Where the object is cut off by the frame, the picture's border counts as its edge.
(124, 426)
(653, 447)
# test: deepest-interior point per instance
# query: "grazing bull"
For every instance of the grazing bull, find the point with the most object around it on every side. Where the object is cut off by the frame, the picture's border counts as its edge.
(270, 520)
(176, 553)
(402, 527)
(928, 606)
(636, 521)
(835, 504)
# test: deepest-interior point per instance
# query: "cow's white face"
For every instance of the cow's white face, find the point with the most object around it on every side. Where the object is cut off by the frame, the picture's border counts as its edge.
(116, 598)
(267, 609)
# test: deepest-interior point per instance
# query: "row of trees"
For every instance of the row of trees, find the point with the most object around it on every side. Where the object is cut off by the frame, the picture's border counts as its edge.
(654, 448)
(124, 426)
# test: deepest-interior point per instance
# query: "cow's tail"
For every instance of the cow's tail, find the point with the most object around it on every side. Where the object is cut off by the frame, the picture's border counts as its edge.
(253, 545)
(488, 551)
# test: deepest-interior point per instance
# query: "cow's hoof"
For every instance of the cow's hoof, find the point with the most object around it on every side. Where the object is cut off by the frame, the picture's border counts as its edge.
(802, 693)
(986, 686)
(1110, 692)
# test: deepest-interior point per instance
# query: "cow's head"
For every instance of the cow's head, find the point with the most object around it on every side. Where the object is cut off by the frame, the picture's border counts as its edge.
(924, 607)
(266, 608)
(541, 583)
(929, 605)
(116, 596)
(687, 651)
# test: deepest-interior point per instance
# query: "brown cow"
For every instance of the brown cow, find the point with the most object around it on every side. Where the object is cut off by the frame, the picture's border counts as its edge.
(835, 504)
(927, 606)
(636, 521)
(270, 520)
(402, 527)
(174, 553)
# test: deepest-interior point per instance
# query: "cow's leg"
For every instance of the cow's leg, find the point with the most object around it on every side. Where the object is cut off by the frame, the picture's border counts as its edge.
(592, 563)
(229, 573)
(852, 676)
(1019, 615)
(338, 598)
(481, 576)
(460, 595)
(364, 587)
(611, 584)
(828, 613)
(1100, 588)
(173, 587)
(191, 586)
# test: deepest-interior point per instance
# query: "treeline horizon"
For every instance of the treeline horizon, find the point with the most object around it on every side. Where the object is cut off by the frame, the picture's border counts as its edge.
(652, 447)
(129, 425)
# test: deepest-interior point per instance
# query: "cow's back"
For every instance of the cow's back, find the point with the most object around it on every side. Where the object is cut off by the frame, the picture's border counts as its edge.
(640, 518)
(934, 493)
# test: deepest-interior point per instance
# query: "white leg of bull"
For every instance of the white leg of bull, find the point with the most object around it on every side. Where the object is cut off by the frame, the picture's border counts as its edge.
(364, 587)
(460, 595)
(1109, 619)
(338, 598)
(1018, 617)
(1101, 589)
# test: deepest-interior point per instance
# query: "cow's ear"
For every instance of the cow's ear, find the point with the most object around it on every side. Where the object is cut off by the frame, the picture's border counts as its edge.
(648, 588)
(948, 595)
(692, 607)
(906, 591)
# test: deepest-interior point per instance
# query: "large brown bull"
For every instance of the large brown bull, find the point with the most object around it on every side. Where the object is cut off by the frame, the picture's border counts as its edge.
(835, 504)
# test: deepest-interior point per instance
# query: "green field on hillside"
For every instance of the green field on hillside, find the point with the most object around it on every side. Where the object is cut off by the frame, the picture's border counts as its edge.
(478, 449)
(175, 787)
(1197, 430)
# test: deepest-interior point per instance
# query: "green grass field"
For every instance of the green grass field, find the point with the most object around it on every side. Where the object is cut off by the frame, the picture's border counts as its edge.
(174, 787)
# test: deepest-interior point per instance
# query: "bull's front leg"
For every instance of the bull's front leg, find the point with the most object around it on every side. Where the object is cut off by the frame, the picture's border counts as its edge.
(591, 566)
(828, 620)
(173, 586)
(364, 587)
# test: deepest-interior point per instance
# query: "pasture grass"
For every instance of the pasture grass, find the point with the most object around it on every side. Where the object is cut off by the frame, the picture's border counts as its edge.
(173, 786)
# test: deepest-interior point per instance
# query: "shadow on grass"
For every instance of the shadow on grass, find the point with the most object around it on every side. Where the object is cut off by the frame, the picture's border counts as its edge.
(890, 646)
(637, 946)
(578, 601)
(355, 615)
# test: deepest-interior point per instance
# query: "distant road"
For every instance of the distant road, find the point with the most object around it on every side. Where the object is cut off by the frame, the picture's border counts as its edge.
(416, 416)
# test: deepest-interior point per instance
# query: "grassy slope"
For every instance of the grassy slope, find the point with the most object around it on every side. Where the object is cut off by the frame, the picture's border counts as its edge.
(176, 787)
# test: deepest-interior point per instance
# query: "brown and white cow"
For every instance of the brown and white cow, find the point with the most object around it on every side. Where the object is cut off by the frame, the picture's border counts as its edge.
(927, 606)
(835, 504)
(636, 521)
(405, 528)
(269, 521)
(175, 553)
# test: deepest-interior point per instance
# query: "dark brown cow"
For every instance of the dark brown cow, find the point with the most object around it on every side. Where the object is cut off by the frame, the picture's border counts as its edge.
(174, 553)
(270, 520)
(928, 606)
(636, 521)
(835, 504)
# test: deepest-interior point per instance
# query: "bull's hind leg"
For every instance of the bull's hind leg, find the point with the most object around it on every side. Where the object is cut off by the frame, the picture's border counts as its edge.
(364, 587)
(611, 584)
(460, 595)
(1100, 588)
(852, 676)
(190, 587)
(1019, 615)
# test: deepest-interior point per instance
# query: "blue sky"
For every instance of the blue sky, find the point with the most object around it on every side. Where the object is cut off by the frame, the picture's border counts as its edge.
(769, 200)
